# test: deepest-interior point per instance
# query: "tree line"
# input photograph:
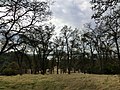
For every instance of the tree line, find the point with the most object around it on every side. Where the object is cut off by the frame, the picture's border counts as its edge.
(29, 45)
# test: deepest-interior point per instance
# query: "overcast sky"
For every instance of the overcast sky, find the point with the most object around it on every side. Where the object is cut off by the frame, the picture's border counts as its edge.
(73, 13)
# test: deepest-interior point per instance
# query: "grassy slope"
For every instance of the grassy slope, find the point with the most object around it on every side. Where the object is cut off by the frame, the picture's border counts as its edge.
(60, 82)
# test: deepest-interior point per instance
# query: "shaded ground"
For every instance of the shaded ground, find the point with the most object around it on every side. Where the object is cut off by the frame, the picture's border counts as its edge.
(60, 82)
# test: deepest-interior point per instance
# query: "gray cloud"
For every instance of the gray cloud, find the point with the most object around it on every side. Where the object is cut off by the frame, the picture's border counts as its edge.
(71, 12)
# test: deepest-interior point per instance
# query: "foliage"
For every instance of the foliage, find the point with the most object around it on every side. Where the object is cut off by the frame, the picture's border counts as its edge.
(11, 69)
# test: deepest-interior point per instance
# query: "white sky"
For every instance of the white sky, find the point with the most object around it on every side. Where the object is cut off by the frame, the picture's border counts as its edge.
(73, 13)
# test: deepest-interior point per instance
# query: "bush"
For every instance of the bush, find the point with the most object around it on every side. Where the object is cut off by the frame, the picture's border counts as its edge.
(112, 69)
(9, 72)
(94, 70)
(11, 69)
(13, 65)
(5, 65)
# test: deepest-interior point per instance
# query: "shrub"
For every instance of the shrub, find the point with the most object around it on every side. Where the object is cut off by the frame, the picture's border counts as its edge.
(9, 72)
(13, 65)
(5, 65)
(112, 69)
(11, 69)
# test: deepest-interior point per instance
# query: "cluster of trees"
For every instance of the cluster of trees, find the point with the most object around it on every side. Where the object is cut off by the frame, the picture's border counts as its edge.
(32, 46)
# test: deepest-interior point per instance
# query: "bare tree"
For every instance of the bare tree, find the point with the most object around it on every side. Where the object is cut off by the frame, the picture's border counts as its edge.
(16, 16)
(110, 20)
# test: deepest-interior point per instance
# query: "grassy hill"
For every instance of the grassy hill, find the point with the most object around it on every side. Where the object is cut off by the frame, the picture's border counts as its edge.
(60, 82)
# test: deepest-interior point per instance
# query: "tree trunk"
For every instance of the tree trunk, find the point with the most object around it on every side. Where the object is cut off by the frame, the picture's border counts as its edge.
(117, 47)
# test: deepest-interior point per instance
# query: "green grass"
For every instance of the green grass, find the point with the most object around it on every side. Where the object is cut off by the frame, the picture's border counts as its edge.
(60, 82)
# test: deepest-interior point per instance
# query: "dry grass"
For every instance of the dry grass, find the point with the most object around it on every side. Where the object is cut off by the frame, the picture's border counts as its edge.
(60, 82)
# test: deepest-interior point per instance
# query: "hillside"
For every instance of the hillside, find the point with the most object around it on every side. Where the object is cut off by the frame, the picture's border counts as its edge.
(60, 82)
